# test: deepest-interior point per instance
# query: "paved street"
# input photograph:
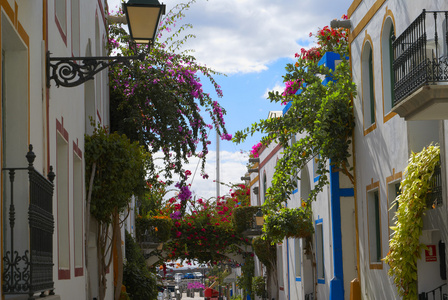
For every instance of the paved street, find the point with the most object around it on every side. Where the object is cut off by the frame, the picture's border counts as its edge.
(196, 297)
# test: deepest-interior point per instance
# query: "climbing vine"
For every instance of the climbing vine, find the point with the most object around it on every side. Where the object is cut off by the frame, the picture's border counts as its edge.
(320, 113)
(405, 246)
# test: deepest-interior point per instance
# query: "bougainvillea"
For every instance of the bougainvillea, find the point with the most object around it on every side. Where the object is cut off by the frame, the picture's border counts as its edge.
(254, 152)
(203, 228)
(158, 101)
(320, 116)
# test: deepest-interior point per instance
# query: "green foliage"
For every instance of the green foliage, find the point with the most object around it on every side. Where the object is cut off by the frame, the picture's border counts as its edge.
(139, 281)
(151, 203)
(259, 286)
(405, 246)
(321, 115)
(243, 217)
(158, 227)
(120, 172)
(124, 296)
(265, 250)
(288, 223)
(247, 272)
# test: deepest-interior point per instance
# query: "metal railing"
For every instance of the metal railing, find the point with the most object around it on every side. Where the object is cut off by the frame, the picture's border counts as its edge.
(309, 296)
(434, 197)
(417, 60)
(148, 239)
(31, 272)
(438, 293)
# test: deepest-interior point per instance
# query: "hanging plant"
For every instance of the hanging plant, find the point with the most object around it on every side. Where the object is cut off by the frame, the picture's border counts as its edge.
(405, 246)
(265, 251)
(288, 223)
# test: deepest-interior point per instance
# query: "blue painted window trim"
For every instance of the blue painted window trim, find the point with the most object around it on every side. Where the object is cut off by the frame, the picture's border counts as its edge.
(320, 222)
(298, 278)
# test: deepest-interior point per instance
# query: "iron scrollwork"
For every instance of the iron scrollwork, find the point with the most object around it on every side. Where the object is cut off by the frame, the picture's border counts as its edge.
(31, 272)
(74, 71)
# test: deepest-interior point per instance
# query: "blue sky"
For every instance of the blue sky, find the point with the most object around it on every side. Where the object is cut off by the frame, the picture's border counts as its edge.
(251, 41)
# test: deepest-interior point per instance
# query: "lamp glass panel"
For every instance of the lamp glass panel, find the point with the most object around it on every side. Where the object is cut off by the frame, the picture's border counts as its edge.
(143, 22)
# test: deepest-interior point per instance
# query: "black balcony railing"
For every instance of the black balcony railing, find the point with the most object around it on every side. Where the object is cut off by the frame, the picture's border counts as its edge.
(418, 60)
(434, 196)
(438, 293)
(149, 238)
(31, 271)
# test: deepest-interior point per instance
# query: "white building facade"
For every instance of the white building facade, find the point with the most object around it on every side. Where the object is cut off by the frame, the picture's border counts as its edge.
(398, 57)
(54, 120)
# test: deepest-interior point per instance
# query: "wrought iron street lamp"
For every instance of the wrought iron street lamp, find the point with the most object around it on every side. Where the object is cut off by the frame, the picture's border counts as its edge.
(142, 17)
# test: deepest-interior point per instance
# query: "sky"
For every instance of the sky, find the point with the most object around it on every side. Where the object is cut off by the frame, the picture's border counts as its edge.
(250, 41)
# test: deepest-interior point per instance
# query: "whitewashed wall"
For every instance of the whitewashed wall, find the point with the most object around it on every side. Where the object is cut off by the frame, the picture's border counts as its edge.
(381, 153)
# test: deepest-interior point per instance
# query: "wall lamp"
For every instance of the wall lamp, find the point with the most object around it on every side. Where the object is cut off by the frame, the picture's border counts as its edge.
(142, 17)
(347, 24)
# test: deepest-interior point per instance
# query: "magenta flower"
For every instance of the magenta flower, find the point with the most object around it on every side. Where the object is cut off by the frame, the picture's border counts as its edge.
(227, 137)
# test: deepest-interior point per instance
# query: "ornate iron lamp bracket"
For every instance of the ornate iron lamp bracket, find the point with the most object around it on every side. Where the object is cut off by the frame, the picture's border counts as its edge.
(74, 71)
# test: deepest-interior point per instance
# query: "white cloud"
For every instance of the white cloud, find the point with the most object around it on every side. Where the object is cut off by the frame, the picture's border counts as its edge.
(279, 87)
(232, 168)
(241, 36)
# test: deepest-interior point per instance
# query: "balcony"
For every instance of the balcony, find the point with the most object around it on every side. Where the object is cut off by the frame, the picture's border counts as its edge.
(434, 198)
(28, 265)
(420, 68)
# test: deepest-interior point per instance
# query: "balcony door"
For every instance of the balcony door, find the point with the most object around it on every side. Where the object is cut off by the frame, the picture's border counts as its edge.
(15, 134)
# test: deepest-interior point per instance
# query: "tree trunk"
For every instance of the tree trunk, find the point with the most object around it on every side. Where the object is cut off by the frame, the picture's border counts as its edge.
(87, 230)
(101, 265)
(119, 257)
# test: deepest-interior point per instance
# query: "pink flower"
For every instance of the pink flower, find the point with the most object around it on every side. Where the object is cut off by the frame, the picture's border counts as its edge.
(227, 137)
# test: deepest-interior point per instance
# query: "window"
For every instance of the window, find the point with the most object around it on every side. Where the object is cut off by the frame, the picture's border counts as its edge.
(60, 9)
(280, 266)
(75, 27)
(374, 225)
(368, 93)
(388, 71)
(265, 186)
(393, 192)
(320, 264)
(444, 36)
(78, 210)
(315, 167)
(305, 185)
(298, 258)
(98, 78)
(62, 204)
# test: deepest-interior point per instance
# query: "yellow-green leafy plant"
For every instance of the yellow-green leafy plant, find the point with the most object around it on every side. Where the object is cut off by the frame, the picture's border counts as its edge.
(405, 246)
